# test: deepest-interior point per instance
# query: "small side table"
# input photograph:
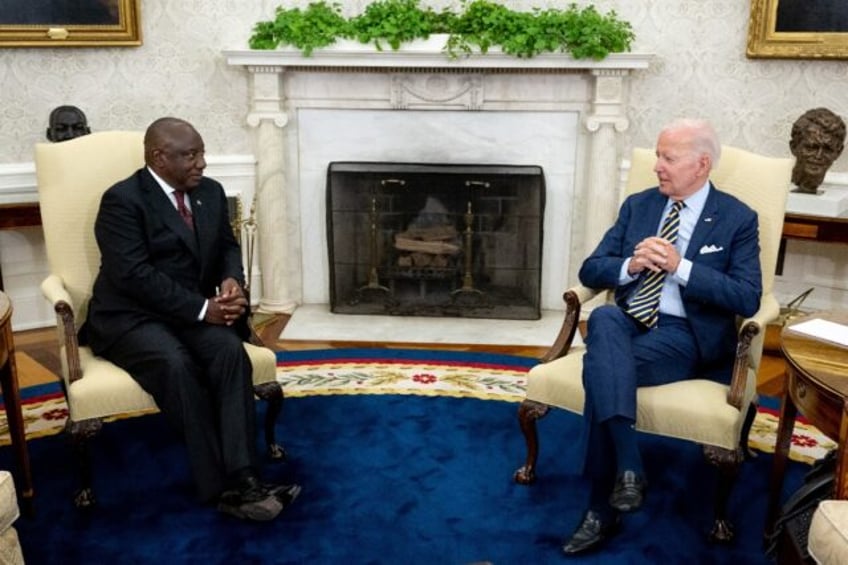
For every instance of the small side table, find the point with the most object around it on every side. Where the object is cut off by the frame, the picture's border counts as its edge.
(817, 387)
(12, 400)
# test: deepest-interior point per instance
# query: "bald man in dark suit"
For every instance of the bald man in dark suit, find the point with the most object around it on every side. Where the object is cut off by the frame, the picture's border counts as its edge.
(168, 306)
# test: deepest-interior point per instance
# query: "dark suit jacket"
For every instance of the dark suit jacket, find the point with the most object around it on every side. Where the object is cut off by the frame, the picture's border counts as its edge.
(725, 280)
(152, 266)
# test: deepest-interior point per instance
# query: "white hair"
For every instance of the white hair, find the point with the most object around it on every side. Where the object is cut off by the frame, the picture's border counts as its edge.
(704, 137)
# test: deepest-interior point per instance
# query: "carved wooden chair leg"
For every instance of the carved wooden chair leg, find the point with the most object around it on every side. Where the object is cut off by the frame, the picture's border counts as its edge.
(750, 416)
(272, 393)
(528, 412)
(728, 463)
(80, 433)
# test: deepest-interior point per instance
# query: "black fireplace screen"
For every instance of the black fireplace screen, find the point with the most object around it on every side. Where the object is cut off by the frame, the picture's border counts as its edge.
(435, 240)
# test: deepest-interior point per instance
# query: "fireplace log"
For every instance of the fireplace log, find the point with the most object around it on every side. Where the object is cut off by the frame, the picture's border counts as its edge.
(431, 233)
(431, 247)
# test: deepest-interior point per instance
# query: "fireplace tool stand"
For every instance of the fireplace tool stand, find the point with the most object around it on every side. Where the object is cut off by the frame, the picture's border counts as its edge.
(467, 294)
(373, 291)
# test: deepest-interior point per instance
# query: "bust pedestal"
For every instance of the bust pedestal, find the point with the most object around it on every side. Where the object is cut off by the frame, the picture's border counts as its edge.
(829, 201)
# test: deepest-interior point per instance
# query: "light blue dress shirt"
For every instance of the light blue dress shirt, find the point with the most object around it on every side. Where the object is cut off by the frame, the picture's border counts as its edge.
(670, 300)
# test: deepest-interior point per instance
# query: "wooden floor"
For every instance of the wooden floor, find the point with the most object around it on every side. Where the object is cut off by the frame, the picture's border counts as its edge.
(42, 345)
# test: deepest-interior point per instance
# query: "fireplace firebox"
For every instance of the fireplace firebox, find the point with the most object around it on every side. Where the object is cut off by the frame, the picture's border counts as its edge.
(415, 239)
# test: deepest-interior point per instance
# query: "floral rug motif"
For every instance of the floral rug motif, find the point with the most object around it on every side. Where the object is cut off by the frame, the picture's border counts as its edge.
(44, 412)
(808, 444)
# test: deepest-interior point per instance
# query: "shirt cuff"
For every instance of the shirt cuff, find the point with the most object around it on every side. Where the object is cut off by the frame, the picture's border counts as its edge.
(203, 311)
(623, 276)
(684, 269)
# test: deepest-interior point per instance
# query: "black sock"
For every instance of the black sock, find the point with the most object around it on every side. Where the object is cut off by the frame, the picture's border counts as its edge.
(626, 443)
(241, 477)
(599, 499)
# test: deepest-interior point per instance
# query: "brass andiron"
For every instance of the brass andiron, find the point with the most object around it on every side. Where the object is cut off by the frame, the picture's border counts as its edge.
(248, 228)
(245, 228)
(467, 290)
(373, 291)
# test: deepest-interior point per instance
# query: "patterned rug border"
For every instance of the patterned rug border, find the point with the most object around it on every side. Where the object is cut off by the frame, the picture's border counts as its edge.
(333, 372)
(420, 372)
(400, 371)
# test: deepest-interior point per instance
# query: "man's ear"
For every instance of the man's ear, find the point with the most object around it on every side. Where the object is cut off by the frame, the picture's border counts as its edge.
(155, 156)
(706, 163)
(49, 135)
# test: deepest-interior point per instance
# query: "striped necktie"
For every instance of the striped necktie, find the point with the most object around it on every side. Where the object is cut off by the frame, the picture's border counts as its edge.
(644, 305)
(185, 213)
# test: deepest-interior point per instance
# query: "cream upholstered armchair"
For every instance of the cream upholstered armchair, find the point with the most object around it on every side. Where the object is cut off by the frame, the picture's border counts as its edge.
(72, 176)
(698, 410)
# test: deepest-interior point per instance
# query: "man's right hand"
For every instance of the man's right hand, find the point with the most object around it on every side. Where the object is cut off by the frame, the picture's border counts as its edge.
(654, 253)
(225, 310)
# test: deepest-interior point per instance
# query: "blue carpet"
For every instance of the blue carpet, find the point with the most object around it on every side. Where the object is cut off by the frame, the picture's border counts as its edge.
(386, 479)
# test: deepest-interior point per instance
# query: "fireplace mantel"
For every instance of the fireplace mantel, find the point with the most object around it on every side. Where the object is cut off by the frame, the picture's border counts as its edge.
(354, 76)
(426, 54)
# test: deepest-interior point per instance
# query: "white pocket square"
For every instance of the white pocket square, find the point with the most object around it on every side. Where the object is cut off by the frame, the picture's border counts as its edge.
(710, 249)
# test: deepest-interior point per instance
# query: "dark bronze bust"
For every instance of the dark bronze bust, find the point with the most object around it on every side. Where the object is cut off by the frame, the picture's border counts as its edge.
(67, 122)
(818, 137)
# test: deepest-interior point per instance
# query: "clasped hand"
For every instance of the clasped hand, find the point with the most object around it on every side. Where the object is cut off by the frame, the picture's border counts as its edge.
(228, 305)
(655, 254)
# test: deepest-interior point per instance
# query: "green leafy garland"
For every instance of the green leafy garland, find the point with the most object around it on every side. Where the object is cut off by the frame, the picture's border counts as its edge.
(583, 32)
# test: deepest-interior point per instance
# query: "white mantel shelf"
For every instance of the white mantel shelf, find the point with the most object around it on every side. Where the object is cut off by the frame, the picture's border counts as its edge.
(427, 54)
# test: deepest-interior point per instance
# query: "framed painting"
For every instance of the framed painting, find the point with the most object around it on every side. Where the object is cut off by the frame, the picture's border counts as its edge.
(798, 29)
(59, 23)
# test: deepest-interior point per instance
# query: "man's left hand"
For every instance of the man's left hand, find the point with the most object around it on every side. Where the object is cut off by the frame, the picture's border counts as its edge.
(231, 300)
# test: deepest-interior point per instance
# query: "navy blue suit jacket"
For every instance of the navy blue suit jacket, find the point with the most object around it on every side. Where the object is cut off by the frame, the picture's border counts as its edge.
(725, 280)
(153, 267)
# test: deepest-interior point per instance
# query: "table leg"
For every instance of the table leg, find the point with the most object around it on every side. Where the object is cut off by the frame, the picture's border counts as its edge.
(841, 481)
(17, 433)
(786, 425)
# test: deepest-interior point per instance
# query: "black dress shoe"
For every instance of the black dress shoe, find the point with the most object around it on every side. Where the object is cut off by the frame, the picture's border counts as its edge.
(284, 493)
(250, 500)
(628, 492)
(592, 532)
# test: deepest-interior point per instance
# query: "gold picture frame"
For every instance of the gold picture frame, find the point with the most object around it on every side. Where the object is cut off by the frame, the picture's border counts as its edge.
(58, 23)
(792, 29)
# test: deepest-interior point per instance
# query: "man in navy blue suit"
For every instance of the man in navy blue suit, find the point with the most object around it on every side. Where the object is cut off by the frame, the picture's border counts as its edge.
(704, 265)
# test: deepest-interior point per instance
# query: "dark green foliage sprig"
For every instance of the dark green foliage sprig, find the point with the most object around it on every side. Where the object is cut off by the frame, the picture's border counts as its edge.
(393, 21)
(319, 25)
(583, 32)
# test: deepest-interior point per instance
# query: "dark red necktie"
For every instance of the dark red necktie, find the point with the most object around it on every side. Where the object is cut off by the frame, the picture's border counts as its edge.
(185, 213)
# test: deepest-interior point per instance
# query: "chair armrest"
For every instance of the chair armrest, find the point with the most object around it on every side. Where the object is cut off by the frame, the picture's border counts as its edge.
(573, 297)
(54, 290)
(748, 350)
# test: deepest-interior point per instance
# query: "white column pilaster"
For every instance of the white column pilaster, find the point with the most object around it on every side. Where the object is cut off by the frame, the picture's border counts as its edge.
(605, 123)
(268, 116)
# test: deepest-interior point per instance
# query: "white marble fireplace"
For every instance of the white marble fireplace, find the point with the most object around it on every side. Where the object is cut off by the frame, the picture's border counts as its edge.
(357, 104)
